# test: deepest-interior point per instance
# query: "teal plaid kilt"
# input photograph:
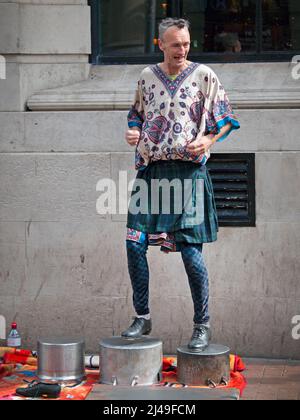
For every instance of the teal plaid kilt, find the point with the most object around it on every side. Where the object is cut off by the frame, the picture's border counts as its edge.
(177, 224)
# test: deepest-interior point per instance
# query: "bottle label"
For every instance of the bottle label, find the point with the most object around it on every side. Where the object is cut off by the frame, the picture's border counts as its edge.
(14, 342)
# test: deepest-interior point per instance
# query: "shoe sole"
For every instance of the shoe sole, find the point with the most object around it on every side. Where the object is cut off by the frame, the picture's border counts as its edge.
(45, 396)
(138, 336)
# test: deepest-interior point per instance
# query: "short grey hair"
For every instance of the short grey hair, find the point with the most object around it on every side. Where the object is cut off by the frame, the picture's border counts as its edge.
(169, 23)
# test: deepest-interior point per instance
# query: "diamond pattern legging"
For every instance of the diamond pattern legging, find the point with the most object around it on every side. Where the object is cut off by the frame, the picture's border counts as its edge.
(195, 268)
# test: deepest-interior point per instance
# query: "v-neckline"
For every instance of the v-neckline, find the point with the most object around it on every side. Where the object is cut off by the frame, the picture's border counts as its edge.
(168, 76)
(172, 86)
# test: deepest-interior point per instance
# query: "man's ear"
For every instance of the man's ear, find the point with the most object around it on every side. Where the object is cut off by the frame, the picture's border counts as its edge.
(161, 45)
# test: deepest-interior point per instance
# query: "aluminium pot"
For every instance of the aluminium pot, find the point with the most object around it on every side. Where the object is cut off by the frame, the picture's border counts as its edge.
(61, 359)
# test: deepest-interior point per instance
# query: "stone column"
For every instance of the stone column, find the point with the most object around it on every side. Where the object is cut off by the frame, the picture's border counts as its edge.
(45, 44)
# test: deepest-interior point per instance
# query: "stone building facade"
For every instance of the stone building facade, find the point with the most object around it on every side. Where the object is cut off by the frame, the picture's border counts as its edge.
(63, 268)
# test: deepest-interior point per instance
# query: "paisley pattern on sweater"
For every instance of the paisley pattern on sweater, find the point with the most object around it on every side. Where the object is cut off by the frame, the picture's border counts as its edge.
(173, 113)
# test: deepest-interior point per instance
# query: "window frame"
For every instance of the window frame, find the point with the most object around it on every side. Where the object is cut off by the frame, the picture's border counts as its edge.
(97, 58)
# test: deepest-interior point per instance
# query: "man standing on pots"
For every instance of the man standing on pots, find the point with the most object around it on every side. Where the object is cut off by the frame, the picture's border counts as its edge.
(180, 111)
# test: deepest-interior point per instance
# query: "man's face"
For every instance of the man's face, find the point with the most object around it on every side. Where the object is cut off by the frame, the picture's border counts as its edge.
(175, 46)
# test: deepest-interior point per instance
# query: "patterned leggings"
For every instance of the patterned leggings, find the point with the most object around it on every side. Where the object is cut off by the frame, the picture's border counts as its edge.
(195, 268)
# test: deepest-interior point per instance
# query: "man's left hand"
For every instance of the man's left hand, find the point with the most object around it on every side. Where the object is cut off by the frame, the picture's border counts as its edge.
(201, 145)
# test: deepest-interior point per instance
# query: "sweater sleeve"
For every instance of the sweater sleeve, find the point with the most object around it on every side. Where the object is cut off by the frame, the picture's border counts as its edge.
(136, 114)
(218, 108)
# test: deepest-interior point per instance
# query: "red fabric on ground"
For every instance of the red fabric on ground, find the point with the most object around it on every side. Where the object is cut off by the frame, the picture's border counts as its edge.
(12, 350)
(19, 358)
(12, 376)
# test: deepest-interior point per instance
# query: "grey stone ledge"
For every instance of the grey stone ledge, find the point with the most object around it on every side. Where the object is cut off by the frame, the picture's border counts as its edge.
(112, 88)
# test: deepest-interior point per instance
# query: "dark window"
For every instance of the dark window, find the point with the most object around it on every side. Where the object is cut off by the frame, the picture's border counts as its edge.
(125, 31)
(222, 26)
(280, 31)
(233, 177)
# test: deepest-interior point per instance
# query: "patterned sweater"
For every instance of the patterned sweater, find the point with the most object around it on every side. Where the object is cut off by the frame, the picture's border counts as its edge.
(173, 113)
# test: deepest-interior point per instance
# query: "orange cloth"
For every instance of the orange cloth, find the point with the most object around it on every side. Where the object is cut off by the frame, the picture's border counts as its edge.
(18, 373)
(6, 370)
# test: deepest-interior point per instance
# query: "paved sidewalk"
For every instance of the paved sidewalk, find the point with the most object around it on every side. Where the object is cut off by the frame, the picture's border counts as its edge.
(272, 379)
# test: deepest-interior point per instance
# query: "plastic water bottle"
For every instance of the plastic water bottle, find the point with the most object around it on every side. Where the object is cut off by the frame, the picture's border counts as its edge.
(14, 338)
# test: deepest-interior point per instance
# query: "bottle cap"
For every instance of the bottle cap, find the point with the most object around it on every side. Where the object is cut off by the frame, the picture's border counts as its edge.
(14, 325)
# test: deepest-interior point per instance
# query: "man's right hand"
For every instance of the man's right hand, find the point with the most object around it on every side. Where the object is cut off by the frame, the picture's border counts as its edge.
(132, 136)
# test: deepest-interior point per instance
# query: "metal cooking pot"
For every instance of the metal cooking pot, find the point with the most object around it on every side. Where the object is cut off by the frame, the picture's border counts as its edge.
(135, 362)
(61, 359)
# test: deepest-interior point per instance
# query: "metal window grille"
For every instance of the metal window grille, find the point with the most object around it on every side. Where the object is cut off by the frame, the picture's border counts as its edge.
(233, 177)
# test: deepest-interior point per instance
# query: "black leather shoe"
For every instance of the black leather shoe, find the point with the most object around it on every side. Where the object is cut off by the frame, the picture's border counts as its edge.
(39, 389)
(200, 338)
(139, 327)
